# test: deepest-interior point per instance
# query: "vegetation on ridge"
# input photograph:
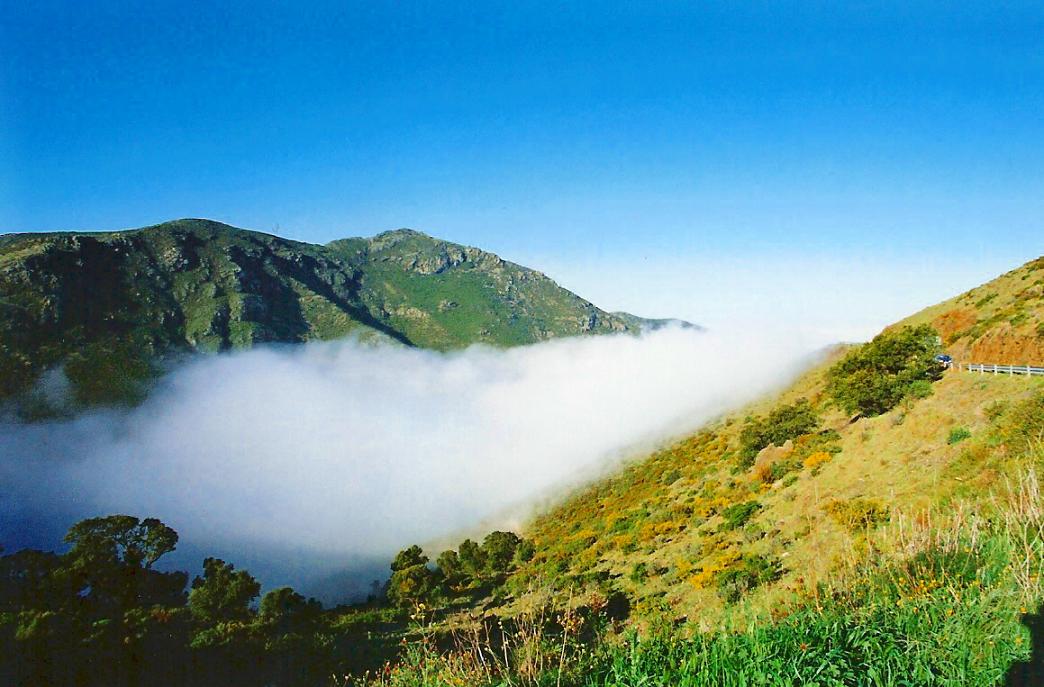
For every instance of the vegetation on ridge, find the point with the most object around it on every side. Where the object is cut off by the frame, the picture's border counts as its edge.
(106, 308)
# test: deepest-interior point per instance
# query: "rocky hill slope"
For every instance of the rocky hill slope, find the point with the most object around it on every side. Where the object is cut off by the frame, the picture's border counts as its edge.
(106, 306)
(1000, 322)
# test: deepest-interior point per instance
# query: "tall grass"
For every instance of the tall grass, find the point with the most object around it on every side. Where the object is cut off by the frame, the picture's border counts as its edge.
(928, 600)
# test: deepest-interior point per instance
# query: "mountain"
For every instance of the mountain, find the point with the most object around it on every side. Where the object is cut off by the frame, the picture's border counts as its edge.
(107, 306)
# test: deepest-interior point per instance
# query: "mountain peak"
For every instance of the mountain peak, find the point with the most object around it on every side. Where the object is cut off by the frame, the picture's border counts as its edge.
(118, 300)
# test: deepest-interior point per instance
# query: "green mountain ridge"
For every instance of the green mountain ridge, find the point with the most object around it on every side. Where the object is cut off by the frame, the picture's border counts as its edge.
(107, 305)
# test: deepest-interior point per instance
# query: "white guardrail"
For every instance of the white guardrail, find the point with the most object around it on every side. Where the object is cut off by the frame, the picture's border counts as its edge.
(982, 368)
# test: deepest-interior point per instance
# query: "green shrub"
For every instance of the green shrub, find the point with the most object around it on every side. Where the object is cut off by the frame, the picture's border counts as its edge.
(751, 572)
(957, 435)
(784, 423)
(920, 388)
(671, 476)
(738, 514)
(877, 376)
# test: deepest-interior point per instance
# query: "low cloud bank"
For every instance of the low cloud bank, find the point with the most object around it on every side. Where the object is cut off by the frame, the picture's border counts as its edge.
(333, 455)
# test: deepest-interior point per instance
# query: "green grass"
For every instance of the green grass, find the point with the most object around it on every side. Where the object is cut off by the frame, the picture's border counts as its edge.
(948, 603)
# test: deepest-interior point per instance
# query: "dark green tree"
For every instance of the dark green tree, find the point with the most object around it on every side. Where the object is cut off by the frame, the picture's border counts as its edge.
(38, 580)
(412, 581)
(448, 564)
(498, 549)
(409, 557)
(877, 376)
(285, 610)
(122, 539)
(111, 559)
(525, 552)
(223, 593)
(788, 421)
(472, 559)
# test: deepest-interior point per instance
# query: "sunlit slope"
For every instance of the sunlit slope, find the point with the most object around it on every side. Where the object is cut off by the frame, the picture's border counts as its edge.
(1000, 322)
(107, 305)
(697, 528)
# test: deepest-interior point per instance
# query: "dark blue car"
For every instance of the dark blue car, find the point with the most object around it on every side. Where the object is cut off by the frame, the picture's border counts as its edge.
(944, 360)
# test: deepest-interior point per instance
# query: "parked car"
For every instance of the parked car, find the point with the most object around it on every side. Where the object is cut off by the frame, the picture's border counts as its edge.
(944, 360)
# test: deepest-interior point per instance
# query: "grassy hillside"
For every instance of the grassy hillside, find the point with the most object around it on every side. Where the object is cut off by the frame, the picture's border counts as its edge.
(107, 306)
(1000, 322)
(796, 538)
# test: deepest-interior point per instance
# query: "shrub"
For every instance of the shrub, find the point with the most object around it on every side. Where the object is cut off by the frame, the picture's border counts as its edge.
(957, 435)
(784, 423)
(857, 514)
(920, 388)
(751, 572)
(817, 459)
(738, 514)
(877, 376)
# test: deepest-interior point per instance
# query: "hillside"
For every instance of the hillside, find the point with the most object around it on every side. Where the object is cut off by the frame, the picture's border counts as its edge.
(878, 523)
(793, 520)
(661, 529)
(108, 306)
(1001, 322)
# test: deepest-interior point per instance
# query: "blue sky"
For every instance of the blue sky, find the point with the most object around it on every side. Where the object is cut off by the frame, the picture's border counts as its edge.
(889, 153)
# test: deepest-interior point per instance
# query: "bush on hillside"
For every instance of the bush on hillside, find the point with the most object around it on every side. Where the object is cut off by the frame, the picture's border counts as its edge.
(412, 581)
(784, 423)
(751, 572)
(738, 514)
(877, 376)
(857, 515)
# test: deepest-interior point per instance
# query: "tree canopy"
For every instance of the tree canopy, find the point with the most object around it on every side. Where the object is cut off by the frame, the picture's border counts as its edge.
(877, 376)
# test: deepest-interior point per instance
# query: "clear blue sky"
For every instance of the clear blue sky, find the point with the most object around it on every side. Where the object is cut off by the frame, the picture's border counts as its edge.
(574, 135)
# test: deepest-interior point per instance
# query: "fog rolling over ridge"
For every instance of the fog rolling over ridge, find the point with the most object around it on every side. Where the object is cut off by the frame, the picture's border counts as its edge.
(329, 456)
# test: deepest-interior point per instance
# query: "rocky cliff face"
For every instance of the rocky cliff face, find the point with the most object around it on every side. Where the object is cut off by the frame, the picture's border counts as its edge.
(115, 302)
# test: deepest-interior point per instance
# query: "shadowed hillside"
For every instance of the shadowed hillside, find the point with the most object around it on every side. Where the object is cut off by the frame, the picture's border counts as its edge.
(108, 306)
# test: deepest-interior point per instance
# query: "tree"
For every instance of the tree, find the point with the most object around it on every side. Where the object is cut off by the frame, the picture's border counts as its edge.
(122, 539)
(499, 551)
(34, 579)
(112, 558)
(877, 376)
(525, 552)
(412, 585)
(222, 593)
(472, 559)
(785, 422)
(407, 558)
(448, 564)
(286, 610)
